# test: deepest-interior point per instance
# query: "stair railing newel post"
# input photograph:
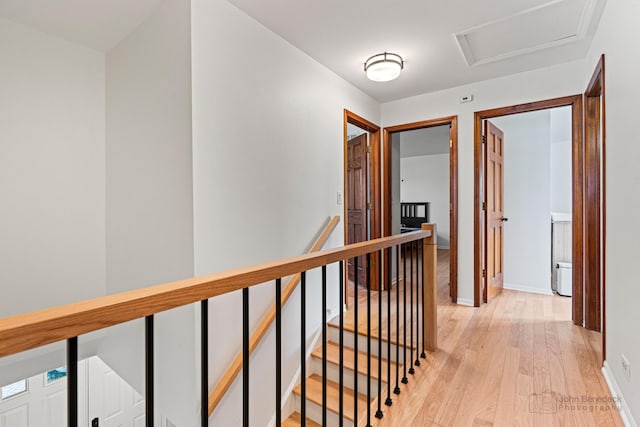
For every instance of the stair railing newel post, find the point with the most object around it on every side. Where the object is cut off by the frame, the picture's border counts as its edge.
(429, 294)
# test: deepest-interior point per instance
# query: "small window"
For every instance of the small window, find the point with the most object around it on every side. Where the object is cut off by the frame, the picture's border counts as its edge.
(13, 389)
(56, 374)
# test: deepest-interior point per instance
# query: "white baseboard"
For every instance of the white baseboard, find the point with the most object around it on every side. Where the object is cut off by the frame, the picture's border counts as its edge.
(531, 290)
(465, 301)
(444, 248)
(625, 412)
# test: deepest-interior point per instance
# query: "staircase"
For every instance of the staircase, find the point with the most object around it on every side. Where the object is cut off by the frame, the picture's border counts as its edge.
(314, 381)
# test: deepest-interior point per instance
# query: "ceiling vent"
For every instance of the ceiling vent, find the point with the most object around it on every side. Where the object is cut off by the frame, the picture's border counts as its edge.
(551, 24)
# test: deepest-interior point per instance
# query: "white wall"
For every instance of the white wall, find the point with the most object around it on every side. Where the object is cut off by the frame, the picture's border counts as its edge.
(426, 179)
(51, 171)
(149, 199)
(278, 114)
(561, 180)
(560, 80)
(527, 200)
(617, 38)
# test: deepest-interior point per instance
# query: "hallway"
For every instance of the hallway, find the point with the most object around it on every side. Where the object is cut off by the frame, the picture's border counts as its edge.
(517, 361)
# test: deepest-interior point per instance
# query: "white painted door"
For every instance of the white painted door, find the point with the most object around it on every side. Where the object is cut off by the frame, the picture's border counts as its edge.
(43, 403)
(114, 402)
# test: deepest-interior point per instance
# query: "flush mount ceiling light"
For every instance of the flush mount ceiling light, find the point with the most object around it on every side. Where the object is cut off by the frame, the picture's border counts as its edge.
(383, 67)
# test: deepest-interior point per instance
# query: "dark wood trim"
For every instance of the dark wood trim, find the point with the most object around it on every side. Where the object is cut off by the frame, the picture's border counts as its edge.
(375, 225)
(577, 173)
(388, 131)
(478, 242)
(594, 203)
(478, 221)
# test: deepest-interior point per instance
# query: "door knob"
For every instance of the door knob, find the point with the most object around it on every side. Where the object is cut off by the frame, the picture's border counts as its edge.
(503, 219)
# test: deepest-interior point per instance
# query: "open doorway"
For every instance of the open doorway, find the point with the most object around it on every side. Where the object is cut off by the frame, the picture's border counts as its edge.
(528, 205)
(587, 158)
(361, 196)
(420, 185)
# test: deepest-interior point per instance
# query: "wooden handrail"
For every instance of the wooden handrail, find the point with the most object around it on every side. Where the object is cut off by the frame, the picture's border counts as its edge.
(30, 330)
(236, 366)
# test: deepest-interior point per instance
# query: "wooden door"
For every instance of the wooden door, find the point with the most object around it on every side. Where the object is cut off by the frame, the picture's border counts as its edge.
(357, 200)
(494, 213)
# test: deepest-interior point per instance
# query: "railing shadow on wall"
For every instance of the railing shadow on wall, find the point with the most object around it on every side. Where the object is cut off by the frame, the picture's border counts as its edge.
(415, 256)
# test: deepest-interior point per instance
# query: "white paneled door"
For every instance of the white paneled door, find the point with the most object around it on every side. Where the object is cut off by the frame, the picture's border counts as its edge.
(114, 402)
(39, 401)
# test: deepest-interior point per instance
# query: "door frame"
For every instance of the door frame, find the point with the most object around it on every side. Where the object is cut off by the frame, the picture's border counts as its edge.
(374, 188)
(479, 242)
(452, 121)
(594, 201)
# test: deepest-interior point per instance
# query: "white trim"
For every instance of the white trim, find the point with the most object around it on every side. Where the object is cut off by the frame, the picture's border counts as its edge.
(625, 411)
(465, 301)
(531, 290)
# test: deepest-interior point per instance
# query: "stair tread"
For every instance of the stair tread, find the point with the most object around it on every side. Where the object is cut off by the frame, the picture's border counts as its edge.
(333, 357)
(374, 335)
(314, 394)
(295, 420)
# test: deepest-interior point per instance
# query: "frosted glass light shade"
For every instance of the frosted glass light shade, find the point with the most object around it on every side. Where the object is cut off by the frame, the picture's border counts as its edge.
(383, 67)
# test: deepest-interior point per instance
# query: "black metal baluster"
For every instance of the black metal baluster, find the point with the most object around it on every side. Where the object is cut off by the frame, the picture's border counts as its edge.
(423, 355)
(379, 413)
(368, 340)
(303, 349)
(418, 304)
(245, 357)
(405, 380)
(341, 350)
(148, 369)
(396, 390)
(388, 401)
(72, 382)
(278, 351)
(411, 370)
(355, 338)
(204, 362)
(324, 345)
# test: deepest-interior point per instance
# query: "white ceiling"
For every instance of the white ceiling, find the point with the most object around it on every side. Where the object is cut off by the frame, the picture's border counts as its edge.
(342, 34)
(424, 142)
(98, 24)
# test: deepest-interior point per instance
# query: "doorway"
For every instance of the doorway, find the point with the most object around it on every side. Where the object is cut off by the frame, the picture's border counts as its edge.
(583, 172)
(448, 212)
(361, 196)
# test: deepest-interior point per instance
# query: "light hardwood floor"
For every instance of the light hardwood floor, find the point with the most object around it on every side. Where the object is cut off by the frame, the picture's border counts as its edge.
(518, 361)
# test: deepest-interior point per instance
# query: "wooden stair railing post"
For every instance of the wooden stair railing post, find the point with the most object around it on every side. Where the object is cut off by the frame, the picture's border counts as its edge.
(261, 330)
(430, 294)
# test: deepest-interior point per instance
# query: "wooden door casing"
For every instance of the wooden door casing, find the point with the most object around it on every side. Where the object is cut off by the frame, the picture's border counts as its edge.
(494, 195)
